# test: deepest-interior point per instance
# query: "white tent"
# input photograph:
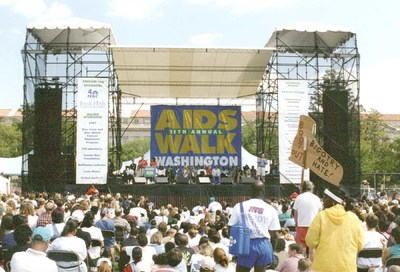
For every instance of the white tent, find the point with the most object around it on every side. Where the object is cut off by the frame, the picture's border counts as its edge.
(11, 166)
(4, 185)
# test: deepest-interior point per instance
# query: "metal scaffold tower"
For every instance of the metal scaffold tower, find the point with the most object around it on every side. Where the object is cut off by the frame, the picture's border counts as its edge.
(54, 58)
(329, 63)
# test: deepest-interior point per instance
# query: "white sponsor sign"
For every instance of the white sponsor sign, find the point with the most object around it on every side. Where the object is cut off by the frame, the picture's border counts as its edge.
(92, 131)
(293, 101)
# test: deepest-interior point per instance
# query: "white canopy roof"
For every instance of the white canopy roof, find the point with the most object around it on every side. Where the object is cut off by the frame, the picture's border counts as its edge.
(304, 41)
(189, 72)
(76, 33)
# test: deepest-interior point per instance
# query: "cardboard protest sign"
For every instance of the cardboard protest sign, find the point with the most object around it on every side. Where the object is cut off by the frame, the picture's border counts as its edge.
(306, 152)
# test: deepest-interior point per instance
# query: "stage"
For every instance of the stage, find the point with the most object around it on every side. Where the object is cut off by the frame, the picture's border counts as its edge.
(176, 194)
(188, 194)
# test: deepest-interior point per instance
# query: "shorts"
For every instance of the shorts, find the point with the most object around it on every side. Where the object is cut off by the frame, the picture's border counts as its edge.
(261, 171)
(301, 233)
(261, 254)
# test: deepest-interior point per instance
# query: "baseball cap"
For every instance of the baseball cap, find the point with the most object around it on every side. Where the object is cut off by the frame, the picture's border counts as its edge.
(78, 215)
(207, 263)
(212, 199)
(41, 234)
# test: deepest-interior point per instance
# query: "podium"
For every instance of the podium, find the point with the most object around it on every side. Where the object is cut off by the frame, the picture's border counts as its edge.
(149, 172)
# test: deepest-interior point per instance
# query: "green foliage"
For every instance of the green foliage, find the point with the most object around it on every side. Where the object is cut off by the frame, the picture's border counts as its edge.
(10, 141)
(377, 153)
(135, 148)
(249, 137)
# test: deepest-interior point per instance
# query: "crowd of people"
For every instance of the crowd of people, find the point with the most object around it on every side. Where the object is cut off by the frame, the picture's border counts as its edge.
(113, 232)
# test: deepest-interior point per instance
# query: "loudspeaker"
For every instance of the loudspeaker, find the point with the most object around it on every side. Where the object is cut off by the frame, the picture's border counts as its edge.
(336, 130)
(204, 180)
(182, 180)
(47, 166)
(248, 180)
(141, 180)
(227, 180)
(160, 180)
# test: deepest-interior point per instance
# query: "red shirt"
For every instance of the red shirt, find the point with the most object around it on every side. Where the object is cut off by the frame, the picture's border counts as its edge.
(142, 163)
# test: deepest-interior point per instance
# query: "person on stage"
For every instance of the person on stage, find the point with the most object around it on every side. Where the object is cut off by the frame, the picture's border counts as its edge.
(133, 166)
(153, 162)
(261, 164)
(141, 165)
(216, 175)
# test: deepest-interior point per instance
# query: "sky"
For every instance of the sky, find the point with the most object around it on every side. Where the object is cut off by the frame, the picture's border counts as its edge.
(217, 23)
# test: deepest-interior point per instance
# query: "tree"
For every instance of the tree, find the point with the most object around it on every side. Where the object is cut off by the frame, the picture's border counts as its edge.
(249, 137)
(374, 144)
(10, 140)
(134, 148)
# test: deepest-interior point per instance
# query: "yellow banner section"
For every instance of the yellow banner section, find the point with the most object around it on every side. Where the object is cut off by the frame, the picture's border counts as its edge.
(307, 153)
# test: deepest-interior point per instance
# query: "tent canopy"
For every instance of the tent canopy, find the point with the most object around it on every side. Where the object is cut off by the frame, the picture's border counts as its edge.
(306, 41)
(74, 33)
(189, 72)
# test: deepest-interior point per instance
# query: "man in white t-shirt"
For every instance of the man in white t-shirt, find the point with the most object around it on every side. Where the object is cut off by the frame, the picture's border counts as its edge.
(306, 206)
(35, 259)
(262, 220)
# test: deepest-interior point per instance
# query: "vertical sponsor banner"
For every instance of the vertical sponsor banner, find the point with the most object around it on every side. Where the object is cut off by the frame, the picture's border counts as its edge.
(293, 101)
(92, 131)
(196, 135)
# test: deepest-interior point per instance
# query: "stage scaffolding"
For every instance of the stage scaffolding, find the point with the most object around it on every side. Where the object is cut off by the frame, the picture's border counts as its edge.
(329, 62)
(54, 57)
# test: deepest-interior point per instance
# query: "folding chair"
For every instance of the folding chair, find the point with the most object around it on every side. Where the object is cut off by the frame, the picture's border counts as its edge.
(108, 234)
(369, 253)
(65, 259)
(392, 261)
(119, 233)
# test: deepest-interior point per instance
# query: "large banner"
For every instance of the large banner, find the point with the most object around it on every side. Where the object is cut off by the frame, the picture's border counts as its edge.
(196, 135)
(293, 102)
(92, 131)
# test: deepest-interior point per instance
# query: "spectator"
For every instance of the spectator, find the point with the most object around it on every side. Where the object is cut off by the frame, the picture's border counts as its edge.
(78, 216)
(280, 251)
(222, 261)
(207, 264)
(27, 209)
(95, 234)
(134, 265)
(306, 207)
(57, 225)
(45, 218)
(294, 254)
(372, 240)
(262, 220)
(335, 232)
(304, 265)
(181, 240)
(104, 263)
(155, 242)
(206, 250)
(23, 238)
(105, 223)
(35, 259)
(68, 241)
(121, 222)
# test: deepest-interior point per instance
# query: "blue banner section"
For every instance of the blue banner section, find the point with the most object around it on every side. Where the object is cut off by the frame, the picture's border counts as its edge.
(196, 135)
